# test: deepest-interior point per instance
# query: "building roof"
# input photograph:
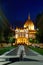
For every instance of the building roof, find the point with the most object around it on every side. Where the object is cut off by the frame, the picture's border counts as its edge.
(29, 24)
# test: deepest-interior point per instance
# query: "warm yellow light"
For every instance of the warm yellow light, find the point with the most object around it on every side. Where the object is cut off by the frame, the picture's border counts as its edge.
(21, 30)
(17, 30)
(26, 30)
(18, 41)
(16, 36)
(24, 26)
(31, 27)
(22, 40)
(26, 35)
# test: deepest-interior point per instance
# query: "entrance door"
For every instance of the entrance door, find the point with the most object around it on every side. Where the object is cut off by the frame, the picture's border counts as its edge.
(22, 40)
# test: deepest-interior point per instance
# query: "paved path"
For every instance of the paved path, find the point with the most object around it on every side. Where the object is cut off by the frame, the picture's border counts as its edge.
(21, 48)
(28, 55)
(30, 52)
(26, 63)
(13, 52)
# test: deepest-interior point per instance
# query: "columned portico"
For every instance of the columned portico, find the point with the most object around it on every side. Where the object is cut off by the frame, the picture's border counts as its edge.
(21, 36)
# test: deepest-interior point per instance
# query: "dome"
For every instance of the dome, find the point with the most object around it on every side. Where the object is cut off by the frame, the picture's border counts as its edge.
(29, 24)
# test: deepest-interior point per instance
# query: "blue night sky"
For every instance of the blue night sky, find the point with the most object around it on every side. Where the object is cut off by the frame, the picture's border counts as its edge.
(18, 10)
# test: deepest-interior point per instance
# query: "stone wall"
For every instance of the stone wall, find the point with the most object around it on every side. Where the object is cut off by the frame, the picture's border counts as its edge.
(5, 44)
(40, 45)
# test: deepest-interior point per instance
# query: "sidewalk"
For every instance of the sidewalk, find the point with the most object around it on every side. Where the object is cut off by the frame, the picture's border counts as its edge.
(26, 63)
(36, 52)
(4, 56)
(7, 52)
(36, 57)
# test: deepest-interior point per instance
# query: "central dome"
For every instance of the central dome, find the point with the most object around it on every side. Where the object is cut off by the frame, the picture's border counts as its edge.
(29, 24)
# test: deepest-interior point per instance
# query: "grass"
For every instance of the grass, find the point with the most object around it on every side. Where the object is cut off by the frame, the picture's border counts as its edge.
(39, 50)
(5, 49)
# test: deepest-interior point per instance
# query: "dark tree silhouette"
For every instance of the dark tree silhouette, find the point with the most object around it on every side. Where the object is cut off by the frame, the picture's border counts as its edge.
(39, 22)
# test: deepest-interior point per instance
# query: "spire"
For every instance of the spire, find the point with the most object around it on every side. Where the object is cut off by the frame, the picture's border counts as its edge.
(29, 16)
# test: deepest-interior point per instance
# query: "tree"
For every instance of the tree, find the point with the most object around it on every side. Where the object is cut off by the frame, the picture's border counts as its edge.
(39, 21)
(31, 40)
(11, 40)
(7, 32)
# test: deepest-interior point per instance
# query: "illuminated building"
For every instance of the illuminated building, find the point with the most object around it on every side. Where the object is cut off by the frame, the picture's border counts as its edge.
(22, 35)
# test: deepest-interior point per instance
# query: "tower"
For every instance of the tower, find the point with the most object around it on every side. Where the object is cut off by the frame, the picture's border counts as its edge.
(29, 16)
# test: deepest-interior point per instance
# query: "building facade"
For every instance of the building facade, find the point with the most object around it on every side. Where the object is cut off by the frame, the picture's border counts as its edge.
(22, 35)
